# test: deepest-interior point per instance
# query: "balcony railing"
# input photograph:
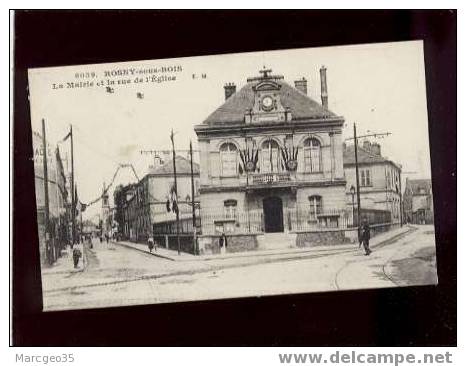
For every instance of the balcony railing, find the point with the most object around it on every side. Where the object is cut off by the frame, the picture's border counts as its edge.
(270, 178)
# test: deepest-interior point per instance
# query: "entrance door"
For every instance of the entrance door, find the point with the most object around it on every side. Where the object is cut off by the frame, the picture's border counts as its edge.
(273, 214)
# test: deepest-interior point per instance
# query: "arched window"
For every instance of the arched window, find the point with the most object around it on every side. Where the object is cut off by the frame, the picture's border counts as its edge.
(229, 159)
(270, 156)
(312, 155)
(315, 206)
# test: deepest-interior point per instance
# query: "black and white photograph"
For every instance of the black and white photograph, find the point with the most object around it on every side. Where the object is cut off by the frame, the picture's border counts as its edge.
(235, 175)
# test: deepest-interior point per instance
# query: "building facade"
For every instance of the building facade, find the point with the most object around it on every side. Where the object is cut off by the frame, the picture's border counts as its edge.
(146, 208)
(379, 180)
(418, 202)
(271, 160)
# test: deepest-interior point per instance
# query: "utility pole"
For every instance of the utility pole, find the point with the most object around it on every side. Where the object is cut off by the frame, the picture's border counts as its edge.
(177, 212)
(46, 194)
(73, 221)
(196, 251)
(355, 140)
(358, 197)
(401, 199)
(246, 151)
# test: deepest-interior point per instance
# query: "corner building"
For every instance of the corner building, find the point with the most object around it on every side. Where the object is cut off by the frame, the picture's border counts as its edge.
(271, 161)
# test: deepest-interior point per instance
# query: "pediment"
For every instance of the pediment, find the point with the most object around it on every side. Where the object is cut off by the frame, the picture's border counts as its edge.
(267, 85)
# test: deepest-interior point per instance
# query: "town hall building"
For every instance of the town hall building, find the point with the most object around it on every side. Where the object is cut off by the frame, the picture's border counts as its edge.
(271, 161)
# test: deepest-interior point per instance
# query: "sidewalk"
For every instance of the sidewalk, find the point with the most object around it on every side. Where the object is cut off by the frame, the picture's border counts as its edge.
(172, 255)
(64, 264)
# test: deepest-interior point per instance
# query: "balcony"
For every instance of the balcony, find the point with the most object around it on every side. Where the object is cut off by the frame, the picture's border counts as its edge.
(270, 178)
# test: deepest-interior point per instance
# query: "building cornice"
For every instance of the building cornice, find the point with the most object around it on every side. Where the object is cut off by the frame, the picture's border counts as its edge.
(242, 128)
(257, 187)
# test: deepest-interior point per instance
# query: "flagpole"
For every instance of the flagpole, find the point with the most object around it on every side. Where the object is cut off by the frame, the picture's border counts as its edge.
(73, 222)
(177, 212)
(357, 174)
(192, 199)
(46, 193)
(247, 182)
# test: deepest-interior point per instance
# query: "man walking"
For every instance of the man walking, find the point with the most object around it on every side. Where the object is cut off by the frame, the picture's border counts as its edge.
(150, 243)
(365, 236)
(223, 243)
(76, 255)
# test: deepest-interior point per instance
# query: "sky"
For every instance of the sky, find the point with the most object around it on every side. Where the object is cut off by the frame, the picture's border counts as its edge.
(380, 87)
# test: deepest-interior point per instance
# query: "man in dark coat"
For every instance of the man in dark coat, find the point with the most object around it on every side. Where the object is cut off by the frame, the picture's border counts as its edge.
(365, 236)
(223, 243)
(76, 255)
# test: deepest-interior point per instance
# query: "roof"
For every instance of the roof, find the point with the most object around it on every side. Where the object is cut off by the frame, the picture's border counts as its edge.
(183, 166)
(364, 156)
(416, 185)
(235, 107)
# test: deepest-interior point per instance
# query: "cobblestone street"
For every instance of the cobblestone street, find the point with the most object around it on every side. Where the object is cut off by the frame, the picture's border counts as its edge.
(116, 275)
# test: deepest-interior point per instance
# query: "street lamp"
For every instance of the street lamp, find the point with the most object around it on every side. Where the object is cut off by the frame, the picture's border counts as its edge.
(352, 191)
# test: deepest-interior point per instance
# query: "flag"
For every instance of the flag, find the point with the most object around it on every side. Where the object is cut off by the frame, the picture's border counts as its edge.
(270, 156)
(173, 199)
(66, 137)
(76, 200)
(256, 162)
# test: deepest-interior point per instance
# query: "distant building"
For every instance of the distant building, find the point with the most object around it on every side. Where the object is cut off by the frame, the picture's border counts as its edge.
(106, 214)
(142, 209)
(121, 196)
(418, 202)
(379, 179)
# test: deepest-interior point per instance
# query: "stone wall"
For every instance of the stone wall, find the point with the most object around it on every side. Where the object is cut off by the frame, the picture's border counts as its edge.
(186, 242)
(208, 244)
(315, 238)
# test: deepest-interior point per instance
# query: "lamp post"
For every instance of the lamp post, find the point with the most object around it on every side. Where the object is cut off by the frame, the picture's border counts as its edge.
(352, 191)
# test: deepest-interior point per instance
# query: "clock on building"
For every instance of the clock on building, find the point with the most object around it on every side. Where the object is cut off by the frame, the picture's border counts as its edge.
(267, 103)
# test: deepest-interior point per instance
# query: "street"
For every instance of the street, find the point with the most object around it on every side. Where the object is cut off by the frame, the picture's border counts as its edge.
(116, 275)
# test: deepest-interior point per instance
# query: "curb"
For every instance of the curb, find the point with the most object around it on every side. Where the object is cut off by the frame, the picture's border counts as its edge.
(396, 237)
(257, 253)
(145, 251)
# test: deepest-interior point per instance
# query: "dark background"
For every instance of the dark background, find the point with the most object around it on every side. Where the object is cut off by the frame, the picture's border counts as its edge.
(387, 317)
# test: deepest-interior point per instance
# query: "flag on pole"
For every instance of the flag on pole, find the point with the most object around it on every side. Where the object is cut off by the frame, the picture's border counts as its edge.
(174, 199)
(66, 137)
(76, 200)
(270, 156)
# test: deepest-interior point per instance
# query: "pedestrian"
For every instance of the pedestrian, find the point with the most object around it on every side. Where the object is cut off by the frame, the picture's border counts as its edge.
(365, 236)
(76, 255)
(223, 243)
(106, 238)
(150, 243)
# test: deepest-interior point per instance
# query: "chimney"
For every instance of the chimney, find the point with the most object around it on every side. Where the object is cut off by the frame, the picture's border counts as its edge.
(366, 145)
(230, 89)
(301, 85)
(375, 149)
(323, 87)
